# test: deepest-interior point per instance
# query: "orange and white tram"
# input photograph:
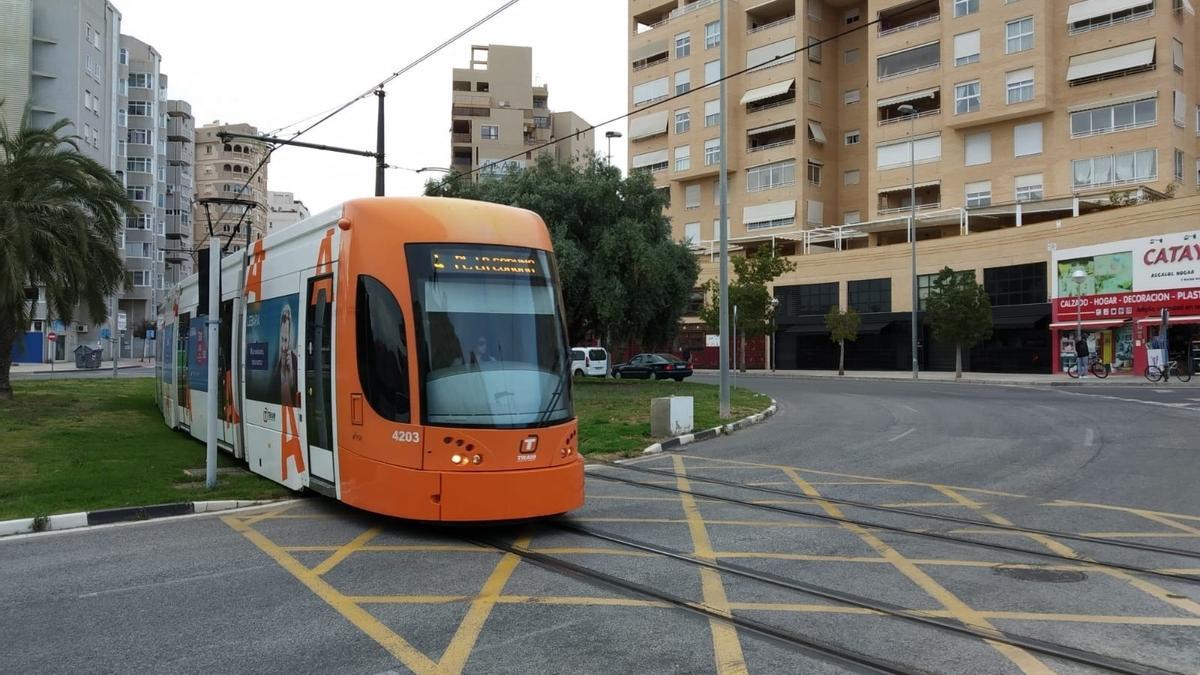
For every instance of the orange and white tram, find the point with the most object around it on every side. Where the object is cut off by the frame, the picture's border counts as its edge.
(407, 356)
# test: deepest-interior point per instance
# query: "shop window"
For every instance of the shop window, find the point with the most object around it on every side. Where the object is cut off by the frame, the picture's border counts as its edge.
(1016, 284)
(870, 295)
(807, 299)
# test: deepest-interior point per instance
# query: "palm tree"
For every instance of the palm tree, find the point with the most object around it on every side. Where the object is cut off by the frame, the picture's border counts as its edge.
(60, 213)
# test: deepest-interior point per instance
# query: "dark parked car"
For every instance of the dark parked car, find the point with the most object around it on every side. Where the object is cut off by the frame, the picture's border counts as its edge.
(656, 366)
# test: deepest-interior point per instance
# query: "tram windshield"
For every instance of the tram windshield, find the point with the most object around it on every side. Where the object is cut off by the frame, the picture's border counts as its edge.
(493, 342)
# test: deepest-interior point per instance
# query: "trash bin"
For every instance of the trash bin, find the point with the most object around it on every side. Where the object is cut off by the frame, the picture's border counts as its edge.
(86, 357)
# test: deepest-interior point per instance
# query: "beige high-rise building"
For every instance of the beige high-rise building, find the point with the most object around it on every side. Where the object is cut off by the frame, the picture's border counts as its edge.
(1016, 113)
(498, 114)
(222, 169)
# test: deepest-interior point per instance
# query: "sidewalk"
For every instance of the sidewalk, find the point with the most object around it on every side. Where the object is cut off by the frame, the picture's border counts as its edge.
(69, 366)
(1025, 379)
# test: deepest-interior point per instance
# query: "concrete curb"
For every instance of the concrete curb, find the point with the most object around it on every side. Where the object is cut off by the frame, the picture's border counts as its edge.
(725, 429)
(1091, 383)
(70, 521)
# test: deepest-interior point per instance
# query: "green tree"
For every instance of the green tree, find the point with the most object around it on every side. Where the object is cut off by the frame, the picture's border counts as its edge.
(959, 311)
(843, 328)
(60, 214)
(748, 292)
(622, 276)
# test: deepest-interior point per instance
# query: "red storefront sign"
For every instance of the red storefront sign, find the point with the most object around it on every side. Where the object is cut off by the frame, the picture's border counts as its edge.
(1129, 305)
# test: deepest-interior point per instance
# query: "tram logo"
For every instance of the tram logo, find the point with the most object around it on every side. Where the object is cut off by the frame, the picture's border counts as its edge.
(529, 445)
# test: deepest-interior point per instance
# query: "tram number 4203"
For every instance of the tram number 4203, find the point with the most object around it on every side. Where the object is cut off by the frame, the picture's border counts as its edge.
(406, 436)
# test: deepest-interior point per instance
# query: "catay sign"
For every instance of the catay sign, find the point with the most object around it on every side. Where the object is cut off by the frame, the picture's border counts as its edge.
(1129, 278)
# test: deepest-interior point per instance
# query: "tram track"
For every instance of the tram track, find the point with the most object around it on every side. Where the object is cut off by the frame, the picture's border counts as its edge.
(1136, 569)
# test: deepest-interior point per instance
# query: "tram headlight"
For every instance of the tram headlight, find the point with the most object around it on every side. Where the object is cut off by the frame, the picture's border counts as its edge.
(458, 459)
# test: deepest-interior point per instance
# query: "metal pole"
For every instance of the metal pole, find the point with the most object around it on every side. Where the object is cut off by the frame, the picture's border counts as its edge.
(212, 349)
(733, 338)
(380, 165)
(723, 299)
(609, 148)
(114, 336)
(912, 223)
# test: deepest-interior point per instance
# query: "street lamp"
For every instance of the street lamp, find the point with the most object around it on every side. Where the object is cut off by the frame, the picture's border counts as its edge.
(611, 135)
(434, 168)
(774, 337)
(911, 112)
(1079, 276)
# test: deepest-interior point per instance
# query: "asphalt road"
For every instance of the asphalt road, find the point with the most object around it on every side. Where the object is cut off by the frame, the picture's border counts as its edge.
(312, 586)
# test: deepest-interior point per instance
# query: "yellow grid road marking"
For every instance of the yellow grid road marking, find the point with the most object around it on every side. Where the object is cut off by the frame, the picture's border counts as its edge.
(460, 647)
(344, 551)
(408, 599)
(583, 550)
(1147, 587)
(1127, 509)
(681, 521)
(727, 649)
(394, 644)
(1168, 522)
(908, 505)
(957, 608)
(274, 513)
(394, 548)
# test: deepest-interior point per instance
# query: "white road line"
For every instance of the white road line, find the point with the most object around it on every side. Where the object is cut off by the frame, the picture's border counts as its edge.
(893, 439)
(1089, 437)
(909, 408)
(1163, 391)
(172, 582)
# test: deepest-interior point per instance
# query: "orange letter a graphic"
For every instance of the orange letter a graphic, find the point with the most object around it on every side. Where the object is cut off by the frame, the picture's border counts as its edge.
(289, 445)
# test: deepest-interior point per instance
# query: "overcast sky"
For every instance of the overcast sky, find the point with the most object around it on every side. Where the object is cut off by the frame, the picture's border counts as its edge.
(273, 62)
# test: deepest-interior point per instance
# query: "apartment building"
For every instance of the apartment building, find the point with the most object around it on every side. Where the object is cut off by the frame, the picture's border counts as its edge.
(285, 210)
(181, 190)
(223, 170)
(498, 114)
(998, 115)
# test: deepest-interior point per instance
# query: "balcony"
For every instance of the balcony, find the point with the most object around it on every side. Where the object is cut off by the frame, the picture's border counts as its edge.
(907, 16)
(898, 200)
(653, 18)
(770, 15)
(771, 136)
(926, 103)
(909, 61)
(460, 139)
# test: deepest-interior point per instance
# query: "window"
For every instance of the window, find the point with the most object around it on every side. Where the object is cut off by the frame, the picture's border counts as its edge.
(138, 249)
(816, 133)
(1123, 167)
(382, 350)
(712, 151)
(851, 96)
(717, 228)
(87, 100)
(142, 221)
(541, 122)
(1019, 35)
(138, 279)
(123, 56)
(1180, 101)
(712, 35)
(87, 133)
(656, 160)
(141, 80)
(1178, 165)
(814, 172)
(691, 236)
(814, 9)
(691, 196)
(651, 91)
(140, 108)
(712, 71)
(851, 177)
(1016, 284)
(925, 284)
(93, 36)
(683, 158)
(482, 87)
(807, 299)
(1028, 188)
(138, 164)
(965, 7)
(909, 60)
(816, 213)
(1020, 85)
(979, 194)
(121, 148)
(712, 113)
(966, 48)
(539, 102)
(1177, 54)
(870, 295)
(489, 132)
(683, 81)
(814, 49)
(123, 86)
(137, 194)
(852, 16)
(683, 120)
(139, 136)
(851, 217)
(1027, 139)
(776, 53)
(898, 153)
(852, 137)
(1117, 117)
(1089, 19)
(979, 148)
(814, 91)
(850, 56)
(1113, 62)
(770, 176)
(966, 97)
(683, 45)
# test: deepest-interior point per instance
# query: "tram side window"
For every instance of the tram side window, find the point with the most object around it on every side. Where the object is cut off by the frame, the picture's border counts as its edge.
(382, 350)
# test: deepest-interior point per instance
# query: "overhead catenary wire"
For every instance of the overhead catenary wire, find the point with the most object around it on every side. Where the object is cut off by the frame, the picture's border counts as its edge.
(453, 177)
(338, 109)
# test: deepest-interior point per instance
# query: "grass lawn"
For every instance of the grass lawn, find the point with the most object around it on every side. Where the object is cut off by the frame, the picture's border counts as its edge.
(82, 445)
(614, 415)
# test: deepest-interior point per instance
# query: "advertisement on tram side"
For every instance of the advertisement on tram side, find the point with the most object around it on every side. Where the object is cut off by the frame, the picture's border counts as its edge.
(271, 351)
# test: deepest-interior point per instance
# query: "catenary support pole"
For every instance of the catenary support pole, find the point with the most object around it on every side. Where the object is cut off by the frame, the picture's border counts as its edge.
(115, 336)
(380, 164)
(211, 351)
(723, 233)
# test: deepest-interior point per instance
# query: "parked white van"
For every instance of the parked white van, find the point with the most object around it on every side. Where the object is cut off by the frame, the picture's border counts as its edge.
(589, 361)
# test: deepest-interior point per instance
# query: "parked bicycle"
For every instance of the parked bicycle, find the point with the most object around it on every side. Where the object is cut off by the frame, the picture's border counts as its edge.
(1171, 370)
(1095, 367)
